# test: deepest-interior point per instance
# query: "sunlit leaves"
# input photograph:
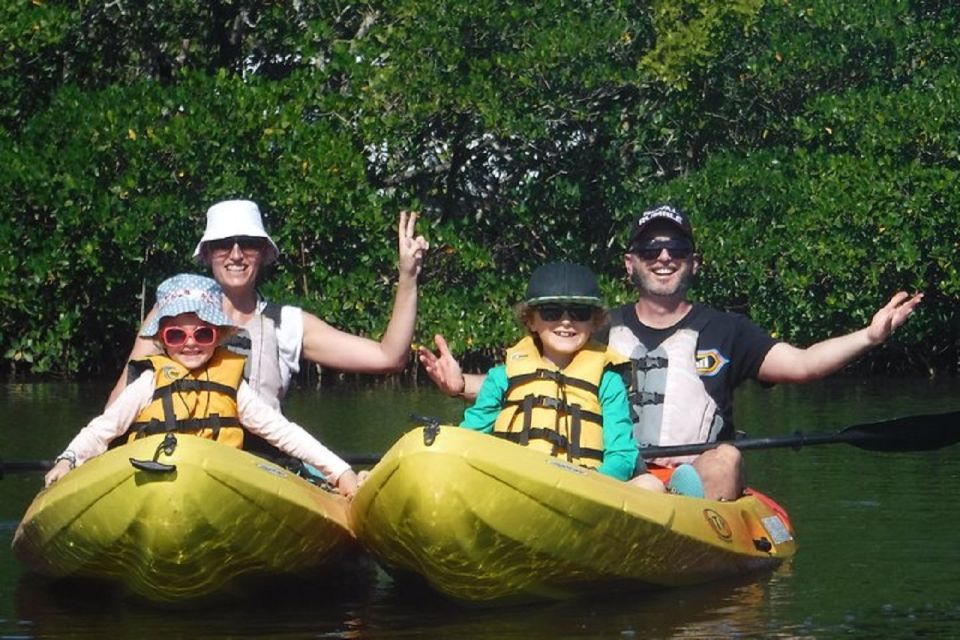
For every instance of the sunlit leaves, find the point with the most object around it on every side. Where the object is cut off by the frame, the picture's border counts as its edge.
(814, 143)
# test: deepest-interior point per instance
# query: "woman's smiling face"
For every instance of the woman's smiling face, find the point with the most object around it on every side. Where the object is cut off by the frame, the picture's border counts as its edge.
(235, 265)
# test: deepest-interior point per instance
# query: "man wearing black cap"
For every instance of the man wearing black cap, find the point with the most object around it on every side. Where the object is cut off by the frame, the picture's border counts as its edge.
(689, 358)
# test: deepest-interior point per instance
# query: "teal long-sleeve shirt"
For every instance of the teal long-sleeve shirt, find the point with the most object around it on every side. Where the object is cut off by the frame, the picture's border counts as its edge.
(619, 446)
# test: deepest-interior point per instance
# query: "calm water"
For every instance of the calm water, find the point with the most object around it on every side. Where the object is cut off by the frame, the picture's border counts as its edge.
(879, 549)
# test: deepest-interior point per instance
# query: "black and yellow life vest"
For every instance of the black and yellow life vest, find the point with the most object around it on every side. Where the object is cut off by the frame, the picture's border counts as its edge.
(202, 402)
(552, 410)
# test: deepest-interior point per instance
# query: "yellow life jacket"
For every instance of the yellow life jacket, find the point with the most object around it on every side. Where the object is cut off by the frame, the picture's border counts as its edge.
(202, 402)
(552, 410)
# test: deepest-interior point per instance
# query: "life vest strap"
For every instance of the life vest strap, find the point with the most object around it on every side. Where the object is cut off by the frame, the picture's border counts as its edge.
(556, 404)
(648, 363)
(556, 376)
(213, 422)
(165, 395)
(554, 438)
(573, 449)
(185, 384)
(239, 341)
(647, 397)
(170, 418)
(527, 414)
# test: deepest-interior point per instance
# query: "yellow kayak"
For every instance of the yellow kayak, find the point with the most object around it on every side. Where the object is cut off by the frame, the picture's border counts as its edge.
(484, 520)
(181, 518)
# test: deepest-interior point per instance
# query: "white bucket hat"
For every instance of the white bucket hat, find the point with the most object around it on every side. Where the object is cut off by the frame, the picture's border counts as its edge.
(188, 293)
(236, 218)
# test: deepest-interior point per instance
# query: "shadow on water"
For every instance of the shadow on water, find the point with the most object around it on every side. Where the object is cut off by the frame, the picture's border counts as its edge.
(721, 609)
(320, 604)
(358, 600)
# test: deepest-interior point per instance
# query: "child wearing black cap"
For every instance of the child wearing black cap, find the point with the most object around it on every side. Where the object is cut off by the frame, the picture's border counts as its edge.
(559, 391)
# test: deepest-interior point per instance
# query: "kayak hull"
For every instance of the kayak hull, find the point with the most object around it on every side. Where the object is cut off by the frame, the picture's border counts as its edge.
(187, 524)
(484, 520)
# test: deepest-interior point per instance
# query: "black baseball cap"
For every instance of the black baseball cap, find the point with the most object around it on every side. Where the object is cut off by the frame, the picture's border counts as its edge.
(665, 212)
(563, 282)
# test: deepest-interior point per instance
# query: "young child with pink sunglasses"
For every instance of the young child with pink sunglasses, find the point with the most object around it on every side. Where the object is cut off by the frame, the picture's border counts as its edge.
(195, 386)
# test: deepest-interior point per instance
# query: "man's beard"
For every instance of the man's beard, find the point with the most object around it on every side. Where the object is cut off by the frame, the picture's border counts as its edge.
(683, 285)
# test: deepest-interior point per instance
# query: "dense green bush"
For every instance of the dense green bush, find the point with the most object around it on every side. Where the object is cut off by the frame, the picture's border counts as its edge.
(815, 146)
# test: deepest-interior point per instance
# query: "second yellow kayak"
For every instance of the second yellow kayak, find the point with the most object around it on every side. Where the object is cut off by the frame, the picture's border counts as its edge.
(483, 520)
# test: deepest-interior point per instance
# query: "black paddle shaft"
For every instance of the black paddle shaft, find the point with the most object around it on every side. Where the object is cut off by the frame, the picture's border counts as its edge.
(24, 466)
(911, 433)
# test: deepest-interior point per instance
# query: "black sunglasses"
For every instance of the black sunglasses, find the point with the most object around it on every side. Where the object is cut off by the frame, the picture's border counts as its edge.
(247, 244)
(676, 249)
(554, 312)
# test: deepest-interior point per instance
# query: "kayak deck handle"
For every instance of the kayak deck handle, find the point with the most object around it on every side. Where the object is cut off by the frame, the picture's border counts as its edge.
(431, 427)
(167, 447)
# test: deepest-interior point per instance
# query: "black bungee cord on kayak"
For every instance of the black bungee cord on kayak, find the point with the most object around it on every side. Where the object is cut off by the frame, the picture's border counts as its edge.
(431, 427)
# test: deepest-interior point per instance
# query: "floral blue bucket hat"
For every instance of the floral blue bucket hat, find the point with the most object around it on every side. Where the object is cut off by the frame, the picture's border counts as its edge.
(188, 293)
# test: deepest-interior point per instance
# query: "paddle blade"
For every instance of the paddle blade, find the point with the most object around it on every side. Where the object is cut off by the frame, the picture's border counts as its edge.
(911, 433)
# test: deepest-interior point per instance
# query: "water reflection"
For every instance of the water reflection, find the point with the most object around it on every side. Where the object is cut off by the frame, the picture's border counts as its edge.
(373, 608)
(325, 605)
(724, 609)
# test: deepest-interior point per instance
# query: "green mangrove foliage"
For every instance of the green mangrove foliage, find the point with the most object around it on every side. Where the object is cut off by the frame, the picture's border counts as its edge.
(815, 145)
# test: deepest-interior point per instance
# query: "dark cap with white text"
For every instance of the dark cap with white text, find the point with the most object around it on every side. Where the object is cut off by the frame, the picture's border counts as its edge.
(663, 212)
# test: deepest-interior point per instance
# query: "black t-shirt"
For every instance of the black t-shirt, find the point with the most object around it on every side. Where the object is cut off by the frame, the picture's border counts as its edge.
(730, 349)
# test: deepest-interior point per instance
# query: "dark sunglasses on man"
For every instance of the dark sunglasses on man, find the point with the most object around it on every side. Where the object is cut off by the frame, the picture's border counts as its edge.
(676, 249)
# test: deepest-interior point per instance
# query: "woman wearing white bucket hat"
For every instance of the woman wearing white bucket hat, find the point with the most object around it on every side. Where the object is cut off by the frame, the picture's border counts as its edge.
(235, 245)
